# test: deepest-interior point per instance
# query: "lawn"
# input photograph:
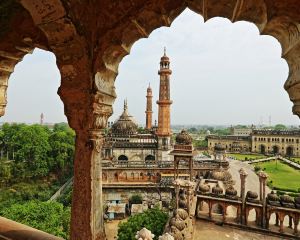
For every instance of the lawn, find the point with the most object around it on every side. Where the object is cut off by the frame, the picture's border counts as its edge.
(282, 175)
(242, 157)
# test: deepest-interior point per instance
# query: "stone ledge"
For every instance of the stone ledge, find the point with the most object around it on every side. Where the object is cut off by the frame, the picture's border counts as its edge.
(10, 230)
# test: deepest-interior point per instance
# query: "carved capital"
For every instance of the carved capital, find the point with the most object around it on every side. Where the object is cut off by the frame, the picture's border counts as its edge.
(96, 139)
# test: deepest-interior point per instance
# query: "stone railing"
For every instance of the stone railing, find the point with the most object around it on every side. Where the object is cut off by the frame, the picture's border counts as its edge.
(10, 230)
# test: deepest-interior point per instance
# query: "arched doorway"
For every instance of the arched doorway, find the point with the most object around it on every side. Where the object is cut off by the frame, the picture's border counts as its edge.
(289, 151)
(262, 149)
(275, 149)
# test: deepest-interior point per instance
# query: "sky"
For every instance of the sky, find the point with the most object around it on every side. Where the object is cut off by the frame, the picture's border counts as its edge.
(223, 73)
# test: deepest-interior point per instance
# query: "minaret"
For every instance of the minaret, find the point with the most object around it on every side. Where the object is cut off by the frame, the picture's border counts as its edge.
(149, 108)
(42, 119)
(164, 126)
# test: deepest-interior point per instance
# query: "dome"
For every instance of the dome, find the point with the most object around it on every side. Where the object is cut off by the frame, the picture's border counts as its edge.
(125, 124)
(217, 190)
(252, 195)
(184, 138)
(219, 147)
(273, 197)
(286, 199)
(221, 175)
(230, 191)
(204, 188)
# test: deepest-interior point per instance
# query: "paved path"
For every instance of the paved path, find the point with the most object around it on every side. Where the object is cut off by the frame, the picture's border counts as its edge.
(252, 181)
(294, 164)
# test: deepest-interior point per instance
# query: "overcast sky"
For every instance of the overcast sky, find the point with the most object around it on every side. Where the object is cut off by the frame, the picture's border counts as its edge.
(223, 73)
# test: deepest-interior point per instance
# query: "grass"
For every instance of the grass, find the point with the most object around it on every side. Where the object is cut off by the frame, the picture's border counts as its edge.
(282, 175)
(243, 157)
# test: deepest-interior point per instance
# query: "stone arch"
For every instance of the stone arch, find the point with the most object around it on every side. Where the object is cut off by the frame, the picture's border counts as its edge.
(275, 149)
(123, 158)
(262, 148)
(290, 151)
(202, 209)
(232, 213)
(252, 216)
(89, 64)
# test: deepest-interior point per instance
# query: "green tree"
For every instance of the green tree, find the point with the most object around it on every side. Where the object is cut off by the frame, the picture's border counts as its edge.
(33, 147)
(280, 127)
(62, 143)
(136, 199)
(50, 217)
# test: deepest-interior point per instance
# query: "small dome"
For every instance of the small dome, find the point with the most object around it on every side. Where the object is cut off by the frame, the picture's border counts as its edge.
(204, 188)
(273, 197)
(217, 190)
(286, 199)
(221, 175)
(297, 200)
(230, 191)
(252, 195)
(219, 147)
(166, 236)
(125, 125)
(184, 138)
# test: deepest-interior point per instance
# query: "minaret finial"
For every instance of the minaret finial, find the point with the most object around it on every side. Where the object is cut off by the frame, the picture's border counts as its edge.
(165, 51)
(125, 104)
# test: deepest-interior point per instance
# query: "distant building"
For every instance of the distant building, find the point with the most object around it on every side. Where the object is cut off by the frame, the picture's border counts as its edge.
(241, 131)
(283, 142)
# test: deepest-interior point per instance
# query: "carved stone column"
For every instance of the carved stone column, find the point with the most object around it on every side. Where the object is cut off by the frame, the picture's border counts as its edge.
(262, 181)
(243, 176)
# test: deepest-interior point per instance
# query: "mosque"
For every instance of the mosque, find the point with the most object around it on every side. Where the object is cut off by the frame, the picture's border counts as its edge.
(126, 145)
(146, 161)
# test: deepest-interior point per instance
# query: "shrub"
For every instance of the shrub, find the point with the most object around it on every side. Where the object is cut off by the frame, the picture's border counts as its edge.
(50, 217)
(152, 219)
(136, 199)
(257, 168)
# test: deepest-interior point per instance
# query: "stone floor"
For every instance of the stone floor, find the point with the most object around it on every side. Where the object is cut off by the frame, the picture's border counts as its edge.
(205, 230)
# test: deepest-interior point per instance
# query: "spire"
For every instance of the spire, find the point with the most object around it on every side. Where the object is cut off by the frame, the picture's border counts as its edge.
(165, 51)
(125, 104)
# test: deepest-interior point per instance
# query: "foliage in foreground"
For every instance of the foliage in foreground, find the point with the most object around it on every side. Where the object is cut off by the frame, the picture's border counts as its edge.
(50, 217)
(21, 192)
(152, 219)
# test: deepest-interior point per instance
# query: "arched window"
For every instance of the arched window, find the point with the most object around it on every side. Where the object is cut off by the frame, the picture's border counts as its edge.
(123, 158)
(150, 158)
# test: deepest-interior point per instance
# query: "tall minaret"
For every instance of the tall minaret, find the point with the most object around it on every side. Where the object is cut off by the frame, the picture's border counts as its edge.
(149, 108)
(164, 102)
(42, 119)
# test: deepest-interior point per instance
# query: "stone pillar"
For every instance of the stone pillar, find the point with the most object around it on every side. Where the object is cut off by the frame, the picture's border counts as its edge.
(296, 223)
(262, 181)
(189, 197)
(281, 226)
(243, 176)
(87, 110)
(290, 222)
(277, 220)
